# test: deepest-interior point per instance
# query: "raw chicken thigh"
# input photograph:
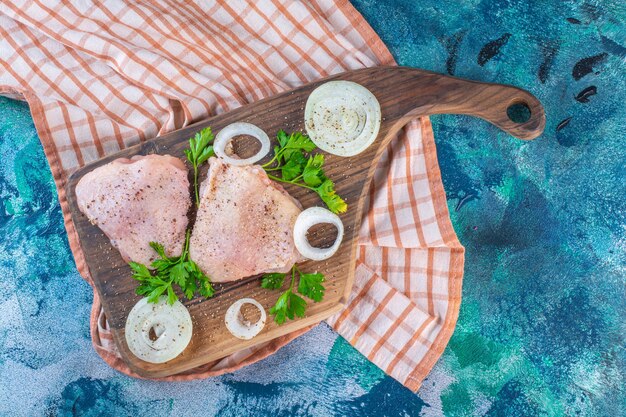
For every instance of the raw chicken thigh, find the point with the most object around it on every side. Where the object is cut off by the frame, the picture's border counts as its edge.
(137, 201)
(244, 224)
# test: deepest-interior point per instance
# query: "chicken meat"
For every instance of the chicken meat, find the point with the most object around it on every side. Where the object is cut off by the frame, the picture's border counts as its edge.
(137, 201)
(244, 224)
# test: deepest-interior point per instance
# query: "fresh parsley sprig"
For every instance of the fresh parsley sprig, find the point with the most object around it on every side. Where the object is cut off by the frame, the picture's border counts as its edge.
(179, 270)
(198, 153)
(289, 304)
(297, 168)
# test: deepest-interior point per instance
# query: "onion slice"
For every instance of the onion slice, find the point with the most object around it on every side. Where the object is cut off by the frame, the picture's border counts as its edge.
(226, 135)
(171, 325)
(238, 326)
(307, 219)
(342, 117)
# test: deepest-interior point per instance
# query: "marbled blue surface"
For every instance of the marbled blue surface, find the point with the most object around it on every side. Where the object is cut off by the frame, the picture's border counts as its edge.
(541, 329)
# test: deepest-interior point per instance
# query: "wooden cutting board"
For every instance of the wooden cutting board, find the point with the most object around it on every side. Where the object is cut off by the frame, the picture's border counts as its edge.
(403, 93)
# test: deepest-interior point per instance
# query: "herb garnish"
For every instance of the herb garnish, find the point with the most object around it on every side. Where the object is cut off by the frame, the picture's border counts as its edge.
(290, 304)
(168, 271)
(199, 152)
(303, 171)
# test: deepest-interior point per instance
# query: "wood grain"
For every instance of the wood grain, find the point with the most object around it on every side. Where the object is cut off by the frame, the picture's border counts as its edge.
(403, 93)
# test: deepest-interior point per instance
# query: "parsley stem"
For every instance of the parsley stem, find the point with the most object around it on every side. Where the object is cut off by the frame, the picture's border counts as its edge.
(293, 277)
(271, 161)
(195, 183)
(289, 182)
(186, 250)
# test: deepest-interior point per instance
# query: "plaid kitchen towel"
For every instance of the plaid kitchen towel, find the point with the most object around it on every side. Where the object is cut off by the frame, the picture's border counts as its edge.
(102, 76)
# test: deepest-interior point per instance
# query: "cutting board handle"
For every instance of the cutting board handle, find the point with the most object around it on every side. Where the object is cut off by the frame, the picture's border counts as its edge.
(499, 103)
(494, 103)
(424, 93)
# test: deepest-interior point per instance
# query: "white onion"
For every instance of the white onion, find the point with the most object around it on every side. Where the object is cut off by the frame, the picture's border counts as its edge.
(307, 219)
(226, 135)
(171, 325)
(238, 326)
(342, 117)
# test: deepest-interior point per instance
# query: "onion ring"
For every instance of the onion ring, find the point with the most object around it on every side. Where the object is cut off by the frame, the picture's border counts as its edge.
(171, 325)
(238, 326)
(226, 135)
(309, 218)
(342, 117)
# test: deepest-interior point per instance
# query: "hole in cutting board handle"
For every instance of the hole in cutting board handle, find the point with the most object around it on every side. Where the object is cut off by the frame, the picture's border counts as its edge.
(519, 112)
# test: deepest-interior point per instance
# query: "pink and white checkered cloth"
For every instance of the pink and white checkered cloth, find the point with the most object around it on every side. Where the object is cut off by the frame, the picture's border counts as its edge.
(102, 77)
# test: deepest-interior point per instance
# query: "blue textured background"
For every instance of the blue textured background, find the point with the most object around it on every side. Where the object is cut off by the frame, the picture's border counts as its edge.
(541, 329)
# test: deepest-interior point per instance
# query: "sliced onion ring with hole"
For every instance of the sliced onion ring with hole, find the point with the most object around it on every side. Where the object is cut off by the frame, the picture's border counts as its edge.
(309, 218)
(238, 325)
(226, 135)
(342, 117)
(171, 324)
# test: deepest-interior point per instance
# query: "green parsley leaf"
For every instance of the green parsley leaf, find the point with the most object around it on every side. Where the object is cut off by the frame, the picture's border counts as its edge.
(298, 169)
(156, 282)
(143, 289)
(273, 281)
(179, 274)
(171, 295)
(168, 272)
(282, 138)
(294, 166)
(158, 249)
(154, 295)
(311, 286)
(327, 193)
(198, 153)
(297, 142)
(279, 311)
(190, 289)
(297, 306)
(206, 289)
(199, 143)
(313, 174)
(277, 155)
(140, 271)
(289, 304)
